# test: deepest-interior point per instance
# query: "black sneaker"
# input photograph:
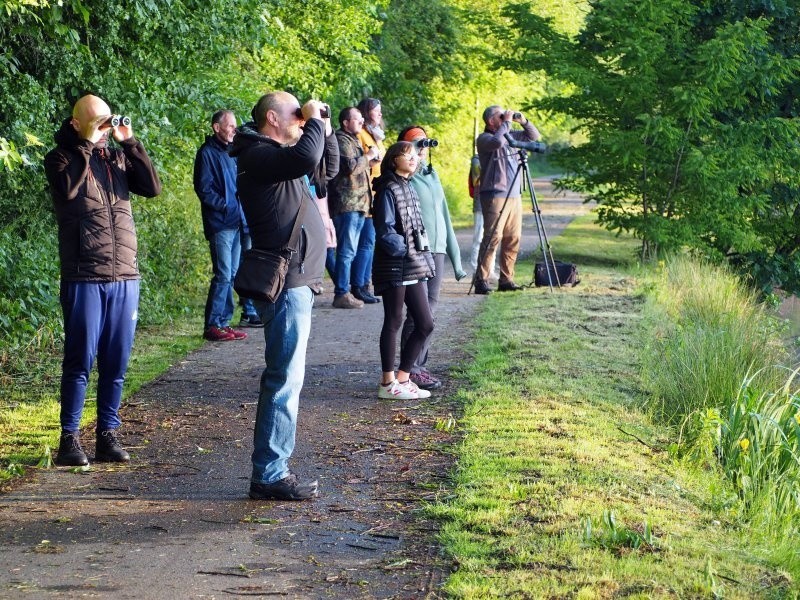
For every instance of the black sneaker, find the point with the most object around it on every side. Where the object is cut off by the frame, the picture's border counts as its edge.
(363, 294)
(250, 321)
(482, 288)
(288, 488)
(108, 448)
(70, 453)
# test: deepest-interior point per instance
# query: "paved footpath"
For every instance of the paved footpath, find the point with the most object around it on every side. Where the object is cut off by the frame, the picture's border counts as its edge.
(176, 522)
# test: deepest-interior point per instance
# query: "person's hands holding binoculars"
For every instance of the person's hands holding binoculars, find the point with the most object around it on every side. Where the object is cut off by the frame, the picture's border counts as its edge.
(94, 130)
(517, 117)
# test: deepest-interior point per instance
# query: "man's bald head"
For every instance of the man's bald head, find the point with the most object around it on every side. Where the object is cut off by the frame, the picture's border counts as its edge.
(275, 117)
(87, 114)
(273, 101)
(89, 107)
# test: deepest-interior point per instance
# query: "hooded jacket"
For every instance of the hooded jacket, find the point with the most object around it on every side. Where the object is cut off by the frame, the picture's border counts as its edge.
(436, 216)
(91, 190)
(215, 185)
(273, 182)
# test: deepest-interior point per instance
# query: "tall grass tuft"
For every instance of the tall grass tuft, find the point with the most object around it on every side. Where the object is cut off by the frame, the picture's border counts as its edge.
(712, 369)
(708, 334)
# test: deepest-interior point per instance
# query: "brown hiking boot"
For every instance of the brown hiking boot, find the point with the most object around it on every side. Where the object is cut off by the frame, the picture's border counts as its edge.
(347, 301)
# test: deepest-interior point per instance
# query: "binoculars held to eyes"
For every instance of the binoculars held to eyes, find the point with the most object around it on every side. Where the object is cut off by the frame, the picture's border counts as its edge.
(324, 112)
(427, 143)
(116, 121)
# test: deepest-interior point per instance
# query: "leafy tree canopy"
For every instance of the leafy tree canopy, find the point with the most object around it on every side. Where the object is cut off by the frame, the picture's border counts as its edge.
(690, 112)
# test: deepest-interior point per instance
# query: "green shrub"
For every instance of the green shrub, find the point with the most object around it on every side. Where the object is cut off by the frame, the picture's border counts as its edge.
(712, 368)
(708, 334)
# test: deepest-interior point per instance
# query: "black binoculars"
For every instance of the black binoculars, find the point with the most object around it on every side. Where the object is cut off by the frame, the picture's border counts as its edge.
(324, 112)
(116, 121)
(516, 115)
(427, 143)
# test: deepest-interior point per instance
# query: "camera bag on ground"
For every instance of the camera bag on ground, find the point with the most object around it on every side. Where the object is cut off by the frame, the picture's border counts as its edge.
(562, 274)
(262, 273)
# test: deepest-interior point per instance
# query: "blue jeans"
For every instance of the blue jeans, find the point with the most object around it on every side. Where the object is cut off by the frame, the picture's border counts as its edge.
(248, 308)
(330, 262)
(348, 230)
(225, 250)
(99, 322)
(361, 271)
(287, 324)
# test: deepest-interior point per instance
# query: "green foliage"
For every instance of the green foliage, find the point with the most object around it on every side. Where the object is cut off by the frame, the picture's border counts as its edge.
(712, 368)
(688, 111)
(707, 335)
(169, 64)
(419, 44)
(610, 535)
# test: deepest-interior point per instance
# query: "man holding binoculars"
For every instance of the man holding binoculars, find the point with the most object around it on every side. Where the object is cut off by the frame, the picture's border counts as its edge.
(500, 195)
(91, 185)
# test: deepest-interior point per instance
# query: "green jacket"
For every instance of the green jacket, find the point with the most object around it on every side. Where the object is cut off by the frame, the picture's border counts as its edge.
(436, 216)
(350, 190)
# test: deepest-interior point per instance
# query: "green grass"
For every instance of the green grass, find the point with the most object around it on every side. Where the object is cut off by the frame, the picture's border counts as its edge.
(708, 333)
(563, 487)
(29, 408)
(713, 368)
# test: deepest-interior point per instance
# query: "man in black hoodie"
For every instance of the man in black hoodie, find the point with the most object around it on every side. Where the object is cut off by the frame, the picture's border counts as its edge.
(91, 186)
(275, 155)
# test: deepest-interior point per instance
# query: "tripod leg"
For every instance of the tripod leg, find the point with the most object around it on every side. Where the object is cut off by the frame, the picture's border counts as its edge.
(544, 242)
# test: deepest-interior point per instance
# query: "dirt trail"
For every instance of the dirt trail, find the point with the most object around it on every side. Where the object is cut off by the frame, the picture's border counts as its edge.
(176, 521)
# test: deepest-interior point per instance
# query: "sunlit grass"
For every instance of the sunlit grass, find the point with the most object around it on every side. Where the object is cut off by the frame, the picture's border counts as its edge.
(554, 443)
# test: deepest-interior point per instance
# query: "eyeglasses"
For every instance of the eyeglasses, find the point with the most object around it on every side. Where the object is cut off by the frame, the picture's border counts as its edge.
(411, 156)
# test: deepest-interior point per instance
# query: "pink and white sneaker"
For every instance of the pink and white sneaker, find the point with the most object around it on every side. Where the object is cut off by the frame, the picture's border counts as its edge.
(407, 390)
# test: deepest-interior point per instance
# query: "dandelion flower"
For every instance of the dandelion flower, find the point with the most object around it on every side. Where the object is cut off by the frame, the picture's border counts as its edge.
(744, 443)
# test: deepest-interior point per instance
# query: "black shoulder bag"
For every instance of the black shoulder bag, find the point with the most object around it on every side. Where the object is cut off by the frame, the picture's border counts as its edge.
(262, 273)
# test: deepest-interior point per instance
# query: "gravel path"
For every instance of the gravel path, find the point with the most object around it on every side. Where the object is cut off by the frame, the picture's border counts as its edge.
(176, 521)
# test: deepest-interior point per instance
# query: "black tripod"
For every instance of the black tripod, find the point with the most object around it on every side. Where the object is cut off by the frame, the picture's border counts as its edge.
(544, 243)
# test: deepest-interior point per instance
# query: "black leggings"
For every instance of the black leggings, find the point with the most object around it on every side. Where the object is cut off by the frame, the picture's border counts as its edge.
(415, 297)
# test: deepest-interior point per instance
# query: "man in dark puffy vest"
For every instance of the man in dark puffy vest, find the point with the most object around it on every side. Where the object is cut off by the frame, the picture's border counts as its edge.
(91, 185)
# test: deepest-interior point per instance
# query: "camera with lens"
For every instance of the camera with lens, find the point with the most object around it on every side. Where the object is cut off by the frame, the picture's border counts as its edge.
(420, 240)
(116, 121)
(427, 143)
(539, 147)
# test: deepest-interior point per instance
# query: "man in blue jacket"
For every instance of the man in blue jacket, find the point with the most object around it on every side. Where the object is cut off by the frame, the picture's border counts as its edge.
(215, 185)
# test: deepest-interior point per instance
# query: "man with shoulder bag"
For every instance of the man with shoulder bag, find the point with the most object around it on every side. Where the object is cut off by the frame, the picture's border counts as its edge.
(276, 153)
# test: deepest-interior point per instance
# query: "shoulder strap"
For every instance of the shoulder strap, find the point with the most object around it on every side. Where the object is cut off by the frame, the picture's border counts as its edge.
(292, 243)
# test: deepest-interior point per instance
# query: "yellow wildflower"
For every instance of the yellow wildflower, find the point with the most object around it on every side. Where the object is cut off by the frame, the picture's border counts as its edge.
(744, 443)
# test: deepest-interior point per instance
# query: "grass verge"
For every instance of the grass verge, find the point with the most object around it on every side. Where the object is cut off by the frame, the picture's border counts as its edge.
(563, 487)
(29, 408)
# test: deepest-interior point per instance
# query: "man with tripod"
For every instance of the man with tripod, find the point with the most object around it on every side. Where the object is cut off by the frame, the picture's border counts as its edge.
(500, 195)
